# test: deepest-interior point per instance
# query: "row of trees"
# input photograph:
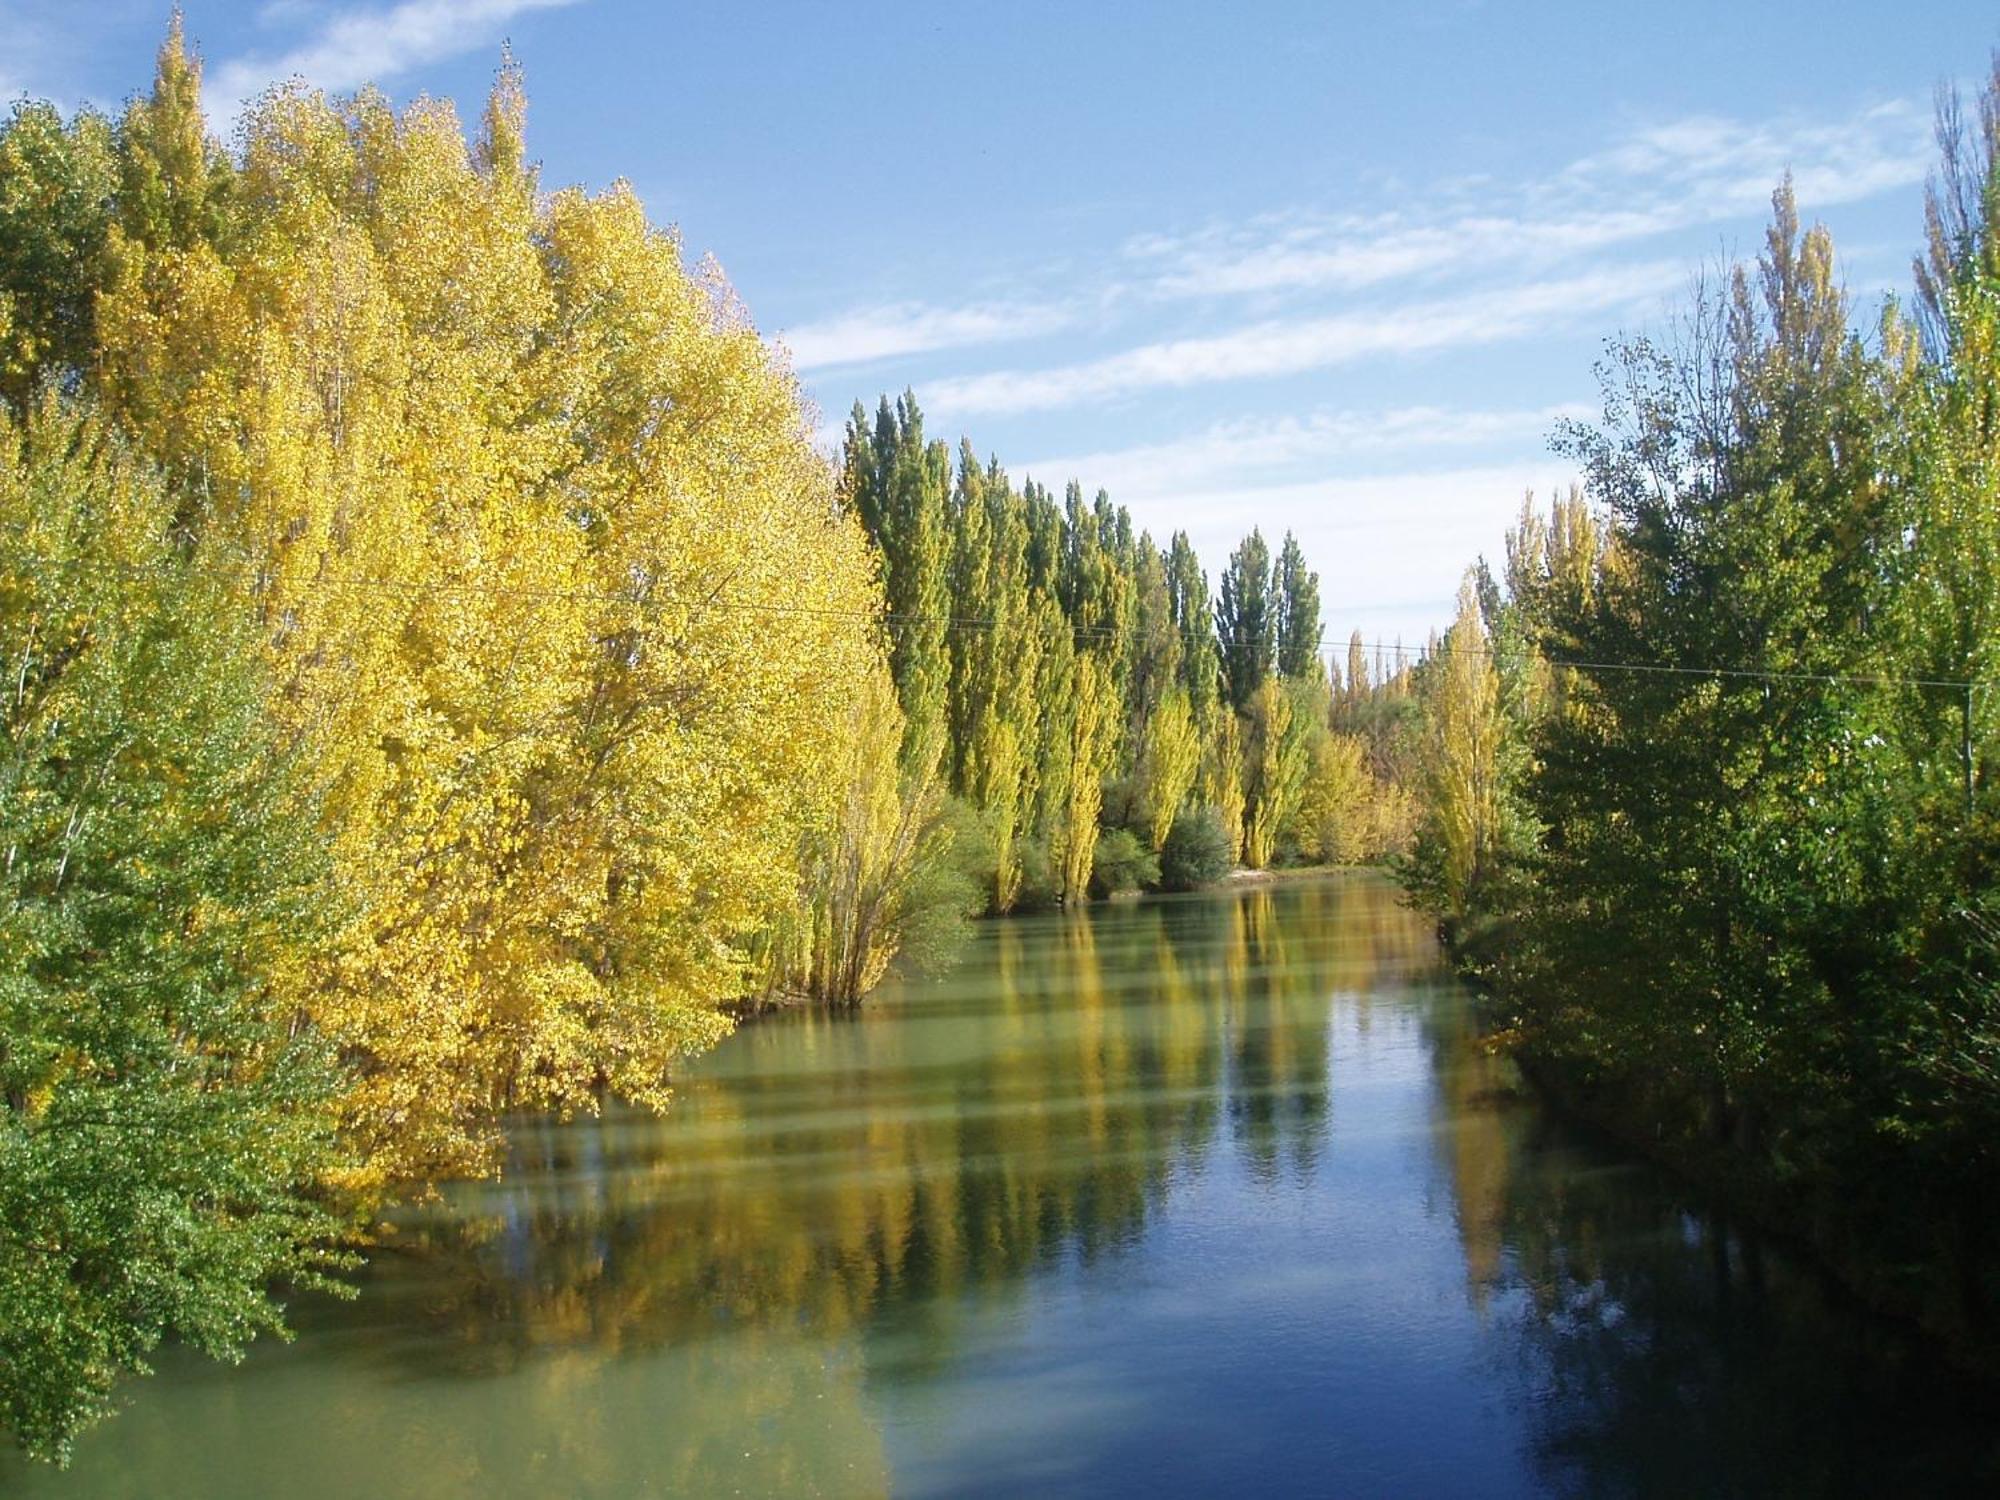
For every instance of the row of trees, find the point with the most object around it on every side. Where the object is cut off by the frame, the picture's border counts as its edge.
(1093, 719)
(1706, 775)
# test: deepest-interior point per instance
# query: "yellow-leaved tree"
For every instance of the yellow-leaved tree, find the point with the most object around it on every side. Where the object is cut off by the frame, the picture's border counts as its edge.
(553, 584)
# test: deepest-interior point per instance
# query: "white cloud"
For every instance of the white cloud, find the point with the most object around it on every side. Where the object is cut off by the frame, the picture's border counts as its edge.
(1668, 178)
(354, 47)
(1291, 346)
(1249, 448)
(875, 333)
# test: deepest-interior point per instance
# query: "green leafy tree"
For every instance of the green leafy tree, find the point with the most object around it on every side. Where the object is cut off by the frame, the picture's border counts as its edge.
(56, 193)
(1247, 621)
(1459, 840)
(1299, 627)
(1194, 616)
(166, 1112)
(1197, 852)
(175, 183)
(900, 486)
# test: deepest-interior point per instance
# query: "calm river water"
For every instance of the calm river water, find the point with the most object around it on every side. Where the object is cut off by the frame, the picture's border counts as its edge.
(1205, 1195)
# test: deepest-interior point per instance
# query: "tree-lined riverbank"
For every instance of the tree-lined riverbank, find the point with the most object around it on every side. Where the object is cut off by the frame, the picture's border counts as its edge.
(1709, 801)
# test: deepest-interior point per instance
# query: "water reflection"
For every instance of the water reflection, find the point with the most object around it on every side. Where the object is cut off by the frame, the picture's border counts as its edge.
(1208, 1193)
(832, 1170)
(1655, 1350)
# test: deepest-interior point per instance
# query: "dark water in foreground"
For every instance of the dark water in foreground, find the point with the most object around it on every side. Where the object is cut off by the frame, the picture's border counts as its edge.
(1201, 1196)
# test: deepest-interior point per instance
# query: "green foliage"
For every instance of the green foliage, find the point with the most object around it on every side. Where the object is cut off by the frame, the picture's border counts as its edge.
(55, 228)
(161, 891)
(946, 890)
(1707, 806)
(1197, 852)
(175, 184)
(1072, 672)
(1247, 621)
(1299, 627)
(900, 486)
(1123, 863)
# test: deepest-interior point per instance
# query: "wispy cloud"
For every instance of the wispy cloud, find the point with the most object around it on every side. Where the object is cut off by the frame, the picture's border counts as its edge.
(1277, 347)
(1254, 449)
(1661, 180)
(353, 47)
(1554, 245)
(875, 333)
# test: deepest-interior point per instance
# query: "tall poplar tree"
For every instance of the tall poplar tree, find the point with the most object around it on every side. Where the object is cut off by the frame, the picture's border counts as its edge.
(1247, 620)
(900, 486)
(1299, 627)
(1194, 617)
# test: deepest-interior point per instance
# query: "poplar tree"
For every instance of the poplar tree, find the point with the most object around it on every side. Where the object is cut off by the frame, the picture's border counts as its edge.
(1247, 621)
(57, 194)
(1299, 628)
(1461, 759)
(175, 181)
(1194, 616)
(901, 486)
(1358, 684)
(502, 482)
(1170, 763)
(1156, 646)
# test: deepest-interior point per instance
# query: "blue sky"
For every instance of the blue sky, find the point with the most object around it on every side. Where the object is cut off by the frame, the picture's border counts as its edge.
(1333, 268)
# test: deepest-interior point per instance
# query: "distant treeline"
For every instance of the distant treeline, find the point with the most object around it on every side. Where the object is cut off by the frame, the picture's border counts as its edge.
(1708, 771)
(1100, 722)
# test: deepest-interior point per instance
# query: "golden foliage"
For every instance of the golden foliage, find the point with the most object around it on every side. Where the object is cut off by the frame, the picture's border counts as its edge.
(1172, 761)
(501, 476)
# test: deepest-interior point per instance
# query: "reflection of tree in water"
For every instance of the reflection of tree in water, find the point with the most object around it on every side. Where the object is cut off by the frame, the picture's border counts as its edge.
(1277, 1026)
(892, 1168)
(1655, 1351)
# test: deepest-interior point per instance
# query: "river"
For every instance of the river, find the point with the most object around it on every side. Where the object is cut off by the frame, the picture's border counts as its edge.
(1200, 1195)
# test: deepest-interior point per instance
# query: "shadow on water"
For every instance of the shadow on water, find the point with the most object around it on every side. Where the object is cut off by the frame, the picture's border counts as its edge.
(1170, 1196)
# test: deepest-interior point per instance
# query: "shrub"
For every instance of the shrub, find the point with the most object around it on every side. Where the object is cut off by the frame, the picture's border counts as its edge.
(1123, 863)
(1196, 852)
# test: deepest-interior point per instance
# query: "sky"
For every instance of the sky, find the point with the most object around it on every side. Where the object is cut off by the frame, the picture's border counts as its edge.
(1338, 269)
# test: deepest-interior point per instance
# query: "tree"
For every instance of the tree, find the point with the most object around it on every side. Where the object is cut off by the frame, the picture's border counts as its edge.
(1222, 779)
(900, 486)
(1461, 758)
(554, 593)
(1357, 684)
(165, 1111)
(56, 190)
(1299, 629)
(1247, 621)
(1194, 616)
(862, 897)
(1171, 765)
(1278, 759)
(1093, 731)
(1336, 816)
(175, 182)
(1197, 852)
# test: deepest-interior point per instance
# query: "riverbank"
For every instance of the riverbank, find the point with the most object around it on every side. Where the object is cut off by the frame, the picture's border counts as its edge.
(1842, 1232)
